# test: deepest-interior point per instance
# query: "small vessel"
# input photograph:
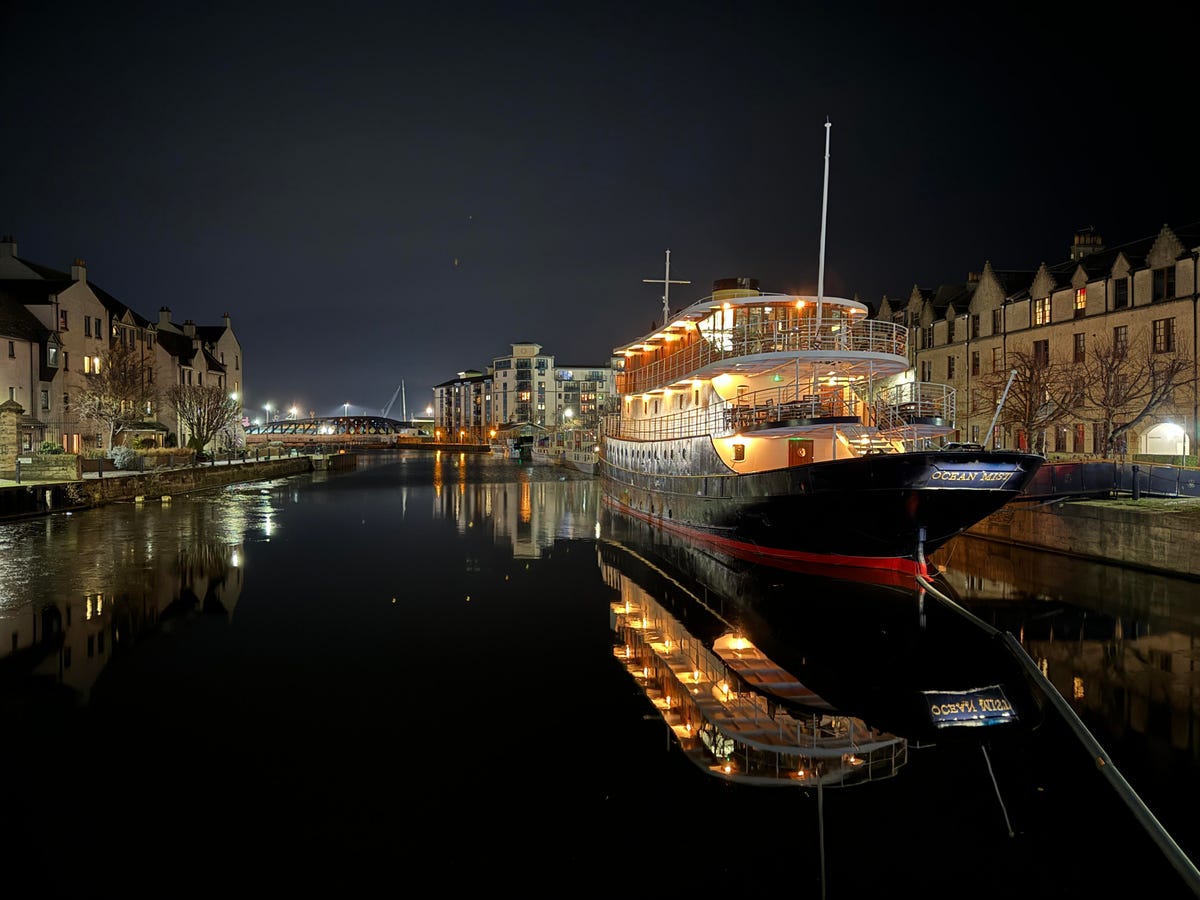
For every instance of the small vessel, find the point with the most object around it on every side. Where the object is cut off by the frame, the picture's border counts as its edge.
(574, 447)
(791, 430)
(505, 448)
(515, 440)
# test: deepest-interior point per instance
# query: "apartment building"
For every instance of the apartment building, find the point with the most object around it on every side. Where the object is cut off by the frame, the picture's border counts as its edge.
(1139, 294)
(524, 385)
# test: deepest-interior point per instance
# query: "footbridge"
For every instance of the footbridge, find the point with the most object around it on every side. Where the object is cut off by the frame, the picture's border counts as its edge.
(364, 431)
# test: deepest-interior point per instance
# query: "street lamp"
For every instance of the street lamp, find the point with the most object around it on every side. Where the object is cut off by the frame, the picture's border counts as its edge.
(345, 409)
(267, 407)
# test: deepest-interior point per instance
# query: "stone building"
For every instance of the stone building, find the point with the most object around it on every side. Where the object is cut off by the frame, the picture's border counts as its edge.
(55, 328)
(1141, 293)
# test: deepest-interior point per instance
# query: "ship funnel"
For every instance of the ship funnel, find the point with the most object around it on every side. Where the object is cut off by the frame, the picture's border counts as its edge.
(728, 288)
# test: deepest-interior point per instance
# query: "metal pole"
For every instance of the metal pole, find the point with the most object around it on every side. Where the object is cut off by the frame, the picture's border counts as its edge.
(821, 258)
(999, 406)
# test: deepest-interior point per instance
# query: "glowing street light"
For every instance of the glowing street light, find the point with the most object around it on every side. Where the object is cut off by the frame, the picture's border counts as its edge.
(267, 407)
(345, 409)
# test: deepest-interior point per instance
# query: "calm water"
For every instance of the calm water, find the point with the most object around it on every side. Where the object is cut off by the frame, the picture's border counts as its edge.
(402, 679)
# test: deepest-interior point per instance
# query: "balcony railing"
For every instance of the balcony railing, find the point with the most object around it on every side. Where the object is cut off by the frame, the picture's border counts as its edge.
(679, 360)
(907, 410)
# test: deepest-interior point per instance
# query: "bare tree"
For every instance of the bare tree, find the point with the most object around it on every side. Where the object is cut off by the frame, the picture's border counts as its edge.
(1043, 394)
(1124, 382)
(204, 410)
(120, 393)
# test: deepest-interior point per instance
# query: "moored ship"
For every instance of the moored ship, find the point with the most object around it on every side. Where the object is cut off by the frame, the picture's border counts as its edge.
(790, 430)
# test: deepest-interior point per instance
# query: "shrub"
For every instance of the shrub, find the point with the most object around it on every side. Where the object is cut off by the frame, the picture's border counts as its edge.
(124, 457)
(48, 448)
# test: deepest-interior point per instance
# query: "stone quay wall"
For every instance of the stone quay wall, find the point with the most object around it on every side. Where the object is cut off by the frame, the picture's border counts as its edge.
(34, 499)
(1155, 534)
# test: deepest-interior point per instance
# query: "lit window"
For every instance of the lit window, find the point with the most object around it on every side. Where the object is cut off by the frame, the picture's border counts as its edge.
(1080, 302)
(1041, 311)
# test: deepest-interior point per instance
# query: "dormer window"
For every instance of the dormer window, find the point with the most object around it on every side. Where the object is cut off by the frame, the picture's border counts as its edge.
(1164, 284)
(1080, 302)
(52, 357)
(1041, 311)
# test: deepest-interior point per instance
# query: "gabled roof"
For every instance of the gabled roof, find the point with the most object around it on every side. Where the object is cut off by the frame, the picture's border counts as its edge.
(957, 296)
(211, 363)
(116, 308)
(33, 290)
(1098, 264)
(45, 271)
(1014, 282)
(210, 334)
(18, 322)
(179, 346)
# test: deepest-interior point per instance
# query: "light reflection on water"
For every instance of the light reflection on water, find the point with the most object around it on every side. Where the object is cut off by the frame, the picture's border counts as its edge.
(429, 634)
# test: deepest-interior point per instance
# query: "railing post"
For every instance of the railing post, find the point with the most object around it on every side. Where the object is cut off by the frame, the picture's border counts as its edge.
(1137, 487)
(18, 470)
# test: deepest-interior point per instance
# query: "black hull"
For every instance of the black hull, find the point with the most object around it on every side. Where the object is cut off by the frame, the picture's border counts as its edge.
(877, 510)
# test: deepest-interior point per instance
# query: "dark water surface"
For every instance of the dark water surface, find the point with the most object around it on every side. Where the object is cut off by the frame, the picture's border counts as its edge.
(401, 679)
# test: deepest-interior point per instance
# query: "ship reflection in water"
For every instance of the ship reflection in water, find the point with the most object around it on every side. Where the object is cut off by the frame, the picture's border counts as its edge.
(848, 671)
(731, 709)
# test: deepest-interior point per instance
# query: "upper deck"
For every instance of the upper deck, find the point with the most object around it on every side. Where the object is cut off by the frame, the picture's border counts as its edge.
(747, 332)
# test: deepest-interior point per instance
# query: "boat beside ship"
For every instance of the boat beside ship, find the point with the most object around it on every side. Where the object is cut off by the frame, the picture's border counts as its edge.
(574, 447)
(791, 430)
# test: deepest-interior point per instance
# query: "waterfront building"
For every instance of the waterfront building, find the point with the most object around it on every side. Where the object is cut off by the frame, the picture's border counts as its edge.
(1141, 294)
(462, 407)
(523, 386)
(55, 328)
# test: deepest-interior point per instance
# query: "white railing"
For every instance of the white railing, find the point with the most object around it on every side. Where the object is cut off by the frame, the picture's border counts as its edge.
(908, 407)
(838, 336)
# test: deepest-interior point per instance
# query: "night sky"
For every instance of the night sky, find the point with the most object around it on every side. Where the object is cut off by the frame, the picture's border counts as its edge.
(381, 193)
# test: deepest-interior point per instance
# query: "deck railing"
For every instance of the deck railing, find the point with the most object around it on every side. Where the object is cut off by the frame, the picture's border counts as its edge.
(679, 359)
(908, 408)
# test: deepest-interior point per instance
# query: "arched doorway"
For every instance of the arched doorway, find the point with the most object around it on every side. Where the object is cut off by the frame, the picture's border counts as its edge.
(1166, 439)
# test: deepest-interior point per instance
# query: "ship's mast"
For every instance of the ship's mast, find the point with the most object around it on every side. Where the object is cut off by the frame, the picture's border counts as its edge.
(666, 282)
(824, 205)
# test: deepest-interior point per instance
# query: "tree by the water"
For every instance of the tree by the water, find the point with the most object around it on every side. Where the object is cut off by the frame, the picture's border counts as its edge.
(119, 392)
(204, 410)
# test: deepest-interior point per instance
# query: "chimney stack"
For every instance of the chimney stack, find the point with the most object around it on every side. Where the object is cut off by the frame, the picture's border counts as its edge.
(79, 270)
(164, 316)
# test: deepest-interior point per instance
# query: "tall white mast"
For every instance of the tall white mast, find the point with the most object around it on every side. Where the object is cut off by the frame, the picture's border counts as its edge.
(824, 205)
(666, 282)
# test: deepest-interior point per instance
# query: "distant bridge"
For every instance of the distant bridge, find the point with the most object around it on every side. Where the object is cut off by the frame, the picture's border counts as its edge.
(357, 430)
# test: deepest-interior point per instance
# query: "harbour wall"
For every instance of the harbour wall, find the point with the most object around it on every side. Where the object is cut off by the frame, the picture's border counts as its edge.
(19, 501)
(1155, 534)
